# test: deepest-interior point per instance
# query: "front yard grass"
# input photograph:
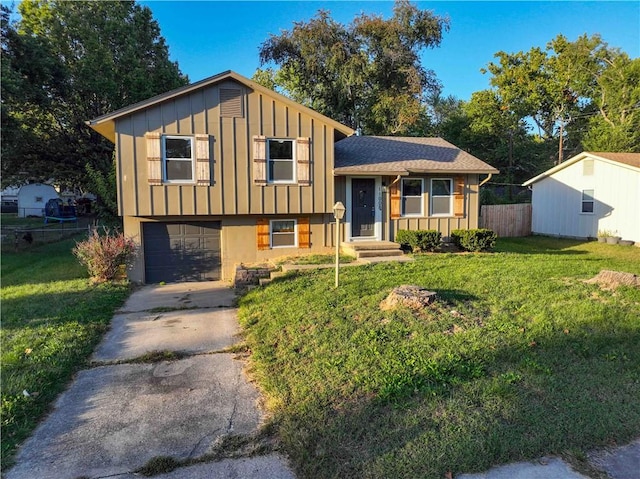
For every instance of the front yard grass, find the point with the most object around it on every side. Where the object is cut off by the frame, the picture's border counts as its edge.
(52, 317)
(517, 359)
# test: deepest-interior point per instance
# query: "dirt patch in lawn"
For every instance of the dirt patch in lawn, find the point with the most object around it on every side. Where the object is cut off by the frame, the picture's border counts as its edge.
(607, 279)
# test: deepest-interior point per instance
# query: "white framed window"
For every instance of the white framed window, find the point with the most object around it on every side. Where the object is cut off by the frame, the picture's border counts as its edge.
(411, 196)
(441, 197)
(281, 165)
(283, 233)
(178, 161)
(587, 202)
(587, 167)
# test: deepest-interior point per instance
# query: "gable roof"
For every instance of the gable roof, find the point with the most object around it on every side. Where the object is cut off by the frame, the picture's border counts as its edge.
(105, 124)
(396, 155)
(622, 159)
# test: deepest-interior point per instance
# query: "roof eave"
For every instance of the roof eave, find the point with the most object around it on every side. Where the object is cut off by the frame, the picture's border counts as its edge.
(355, 172)
(476, 171)
(555, 169)
(344, 171)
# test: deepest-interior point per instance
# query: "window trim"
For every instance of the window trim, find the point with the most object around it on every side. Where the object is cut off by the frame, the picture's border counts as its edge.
(451, 196)
(403, 214)
(294, 172)
(164, 158)
(295, 233)
(584, 201)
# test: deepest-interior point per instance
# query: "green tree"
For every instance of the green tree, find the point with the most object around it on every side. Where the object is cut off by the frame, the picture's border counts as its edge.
(68, 62)
(616, 126)
(366, 74)
(574, 92)
(485, 127)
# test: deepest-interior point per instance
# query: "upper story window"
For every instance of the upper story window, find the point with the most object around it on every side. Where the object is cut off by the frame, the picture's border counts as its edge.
(178, 159)
(412, 197)
(280, 161)
(441, 197)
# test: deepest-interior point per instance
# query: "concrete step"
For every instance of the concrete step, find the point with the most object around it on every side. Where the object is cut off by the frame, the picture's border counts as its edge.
(379, 252)
(360, 249)
(386, 259)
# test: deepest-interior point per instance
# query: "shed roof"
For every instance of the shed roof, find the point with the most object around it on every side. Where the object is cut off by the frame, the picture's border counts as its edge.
(105, 124)
(397, 155)
(624, 159)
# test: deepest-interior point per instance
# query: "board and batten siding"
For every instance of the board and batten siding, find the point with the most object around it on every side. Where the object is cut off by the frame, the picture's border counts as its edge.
(557, 200)
(443, 224)
(232, 190)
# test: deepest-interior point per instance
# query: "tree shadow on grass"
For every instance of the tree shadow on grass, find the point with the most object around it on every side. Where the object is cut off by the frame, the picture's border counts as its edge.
(540, 245)
(568, 393)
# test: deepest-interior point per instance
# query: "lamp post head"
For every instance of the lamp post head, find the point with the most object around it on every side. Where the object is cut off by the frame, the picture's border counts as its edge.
(338, 210)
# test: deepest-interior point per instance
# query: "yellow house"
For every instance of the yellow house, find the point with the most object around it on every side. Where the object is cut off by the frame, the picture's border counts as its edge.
(226, 171)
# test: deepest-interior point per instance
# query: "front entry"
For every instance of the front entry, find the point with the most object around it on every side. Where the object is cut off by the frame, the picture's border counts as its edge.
(363, 214)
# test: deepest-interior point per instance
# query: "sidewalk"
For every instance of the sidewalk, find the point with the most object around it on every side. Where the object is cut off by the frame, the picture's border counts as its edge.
(617, 463)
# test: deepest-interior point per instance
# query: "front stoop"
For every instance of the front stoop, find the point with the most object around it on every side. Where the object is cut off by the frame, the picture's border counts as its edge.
(371, 249)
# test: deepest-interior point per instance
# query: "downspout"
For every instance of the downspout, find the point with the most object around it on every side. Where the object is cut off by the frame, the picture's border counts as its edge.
(483, 181)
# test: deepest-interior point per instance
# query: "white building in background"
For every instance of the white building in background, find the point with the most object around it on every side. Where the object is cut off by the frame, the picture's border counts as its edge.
(32, 199)
(590, 192)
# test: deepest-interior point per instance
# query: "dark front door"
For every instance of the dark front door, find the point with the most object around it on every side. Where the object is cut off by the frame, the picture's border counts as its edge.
(363, 215)
(181, 251)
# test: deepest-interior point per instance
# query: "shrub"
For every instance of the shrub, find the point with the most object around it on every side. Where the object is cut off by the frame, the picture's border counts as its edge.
(105, 254)
(474, 240)
(419, 240)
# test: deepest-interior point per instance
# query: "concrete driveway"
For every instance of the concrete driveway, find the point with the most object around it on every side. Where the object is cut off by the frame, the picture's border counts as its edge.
(120, 414)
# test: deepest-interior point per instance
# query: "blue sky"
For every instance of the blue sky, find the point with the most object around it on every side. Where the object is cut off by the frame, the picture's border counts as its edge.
(208, 37)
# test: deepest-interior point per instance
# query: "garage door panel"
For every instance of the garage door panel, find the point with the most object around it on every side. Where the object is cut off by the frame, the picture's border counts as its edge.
(182, 251)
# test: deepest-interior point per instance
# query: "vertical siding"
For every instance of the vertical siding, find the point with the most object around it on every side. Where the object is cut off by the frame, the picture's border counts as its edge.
(444, 224)
(557, 201)
(232, 190)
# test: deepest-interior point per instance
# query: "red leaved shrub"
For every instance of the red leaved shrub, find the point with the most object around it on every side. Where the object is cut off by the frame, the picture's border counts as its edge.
(104, 255)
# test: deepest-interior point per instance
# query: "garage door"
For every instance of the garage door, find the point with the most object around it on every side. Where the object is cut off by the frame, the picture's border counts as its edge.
(181, 251)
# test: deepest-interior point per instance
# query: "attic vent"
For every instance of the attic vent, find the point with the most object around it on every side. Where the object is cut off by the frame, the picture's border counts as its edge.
(587, 168)
(231, 103)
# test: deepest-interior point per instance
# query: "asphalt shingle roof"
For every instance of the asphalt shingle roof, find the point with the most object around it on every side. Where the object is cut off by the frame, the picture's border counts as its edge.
(395, 155)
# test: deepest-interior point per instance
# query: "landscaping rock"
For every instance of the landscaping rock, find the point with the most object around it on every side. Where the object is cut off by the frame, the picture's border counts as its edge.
(612, 279)
(250, 275)
(411, 296)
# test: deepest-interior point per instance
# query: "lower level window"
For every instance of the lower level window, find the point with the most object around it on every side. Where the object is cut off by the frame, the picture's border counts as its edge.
(587, 201)
(283, 234)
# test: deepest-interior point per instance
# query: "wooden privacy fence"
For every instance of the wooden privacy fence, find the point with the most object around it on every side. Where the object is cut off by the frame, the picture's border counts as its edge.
(507, 220)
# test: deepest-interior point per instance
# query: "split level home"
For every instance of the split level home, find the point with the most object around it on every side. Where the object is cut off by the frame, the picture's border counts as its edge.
(589, 193)
(225, 171)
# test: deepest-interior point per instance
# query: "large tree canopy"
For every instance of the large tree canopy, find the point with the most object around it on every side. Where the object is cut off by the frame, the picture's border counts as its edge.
(575, 92)
(366, 74)
(64, 63)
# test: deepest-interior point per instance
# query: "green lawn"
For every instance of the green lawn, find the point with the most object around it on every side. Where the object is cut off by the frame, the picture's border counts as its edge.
(518, 358)
(11, 219)
(52, 317)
